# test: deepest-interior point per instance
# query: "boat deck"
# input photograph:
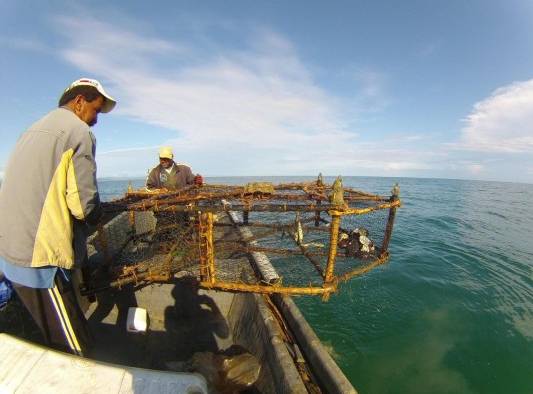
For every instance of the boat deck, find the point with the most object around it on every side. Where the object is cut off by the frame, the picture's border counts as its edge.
(185, 320)
(182, 321)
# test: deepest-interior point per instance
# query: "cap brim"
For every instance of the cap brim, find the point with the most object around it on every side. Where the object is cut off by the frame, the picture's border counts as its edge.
(109, 104)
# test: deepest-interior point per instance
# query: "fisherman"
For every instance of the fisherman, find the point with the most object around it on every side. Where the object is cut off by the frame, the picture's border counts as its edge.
(170, 175)
(48, 198)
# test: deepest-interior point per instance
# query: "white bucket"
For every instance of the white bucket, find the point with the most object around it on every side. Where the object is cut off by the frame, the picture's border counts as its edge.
(137, 320)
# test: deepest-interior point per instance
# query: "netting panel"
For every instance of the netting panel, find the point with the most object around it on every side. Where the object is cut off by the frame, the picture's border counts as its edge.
(303, 235)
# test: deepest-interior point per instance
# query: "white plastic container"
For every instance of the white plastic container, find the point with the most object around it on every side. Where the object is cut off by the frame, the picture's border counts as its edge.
(137, 320)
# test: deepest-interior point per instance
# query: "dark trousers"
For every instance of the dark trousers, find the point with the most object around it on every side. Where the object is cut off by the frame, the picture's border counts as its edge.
(57, 313)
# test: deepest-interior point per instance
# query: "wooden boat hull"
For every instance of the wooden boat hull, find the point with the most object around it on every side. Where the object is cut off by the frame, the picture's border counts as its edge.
(185, 320)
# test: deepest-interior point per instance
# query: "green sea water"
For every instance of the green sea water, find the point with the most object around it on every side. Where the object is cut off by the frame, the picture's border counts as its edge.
(452, 312)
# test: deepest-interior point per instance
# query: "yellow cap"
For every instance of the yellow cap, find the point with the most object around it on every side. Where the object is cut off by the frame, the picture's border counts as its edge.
(166, 152)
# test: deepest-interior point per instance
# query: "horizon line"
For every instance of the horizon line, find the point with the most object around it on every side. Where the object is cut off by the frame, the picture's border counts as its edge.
(138, 177)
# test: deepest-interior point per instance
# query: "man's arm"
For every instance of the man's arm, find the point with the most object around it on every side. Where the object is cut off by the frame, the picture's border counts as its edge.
(192, 179)
(152, 181)
(82, 195)
(189, 176)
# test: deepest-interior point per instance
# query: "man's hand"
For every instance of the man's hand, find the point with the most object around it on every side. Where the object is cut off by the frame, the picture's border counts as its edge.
(198, 180)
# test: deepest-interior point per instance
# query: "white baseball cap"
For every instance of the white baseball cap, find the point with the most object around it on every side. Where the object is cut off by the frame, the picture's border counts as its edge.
(109, 103)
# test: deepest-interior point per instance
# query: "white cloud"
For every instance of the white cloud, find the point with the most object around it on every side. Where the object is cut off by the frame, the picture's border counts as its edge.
(255, 109)
(415, 137)
(129, 162)
(475, 168)
(255, 97)
(260, 102)
(241, 100)
(502, 122)
(371, 82)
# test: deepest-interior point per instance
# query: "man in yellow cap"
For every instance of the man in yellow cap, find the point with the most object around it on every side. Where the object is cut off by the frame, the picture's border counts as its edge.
(170, 175)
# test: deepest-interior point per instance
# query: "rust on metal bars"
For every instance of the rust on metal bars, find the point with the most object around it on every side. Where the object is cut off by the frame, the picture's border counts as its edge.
(261, 289)
(188, 242)
(363, 270)
(319, 191)
(205, 248)
(395, 199)
(333, 237)
(209, 247)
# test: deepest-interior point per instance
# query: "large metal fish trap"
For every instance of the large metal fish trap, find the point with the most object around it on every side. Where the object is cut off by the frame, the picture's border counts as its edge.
(303, 238)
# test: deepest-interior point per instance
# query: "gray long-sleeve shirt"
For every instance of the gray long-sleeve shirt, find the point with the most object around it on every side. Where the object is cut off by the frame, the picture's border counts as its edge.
(49, 183)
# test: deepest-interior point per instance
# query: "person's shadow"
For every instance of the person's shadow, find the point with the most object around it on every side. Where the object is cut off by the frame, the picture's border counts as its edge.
(123, 299)
(194, 322)
(111, 342)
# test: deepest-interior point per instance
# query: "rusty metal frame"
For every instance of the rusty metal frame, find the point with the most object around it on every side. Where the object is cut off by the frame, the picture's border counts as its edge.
(315, 197)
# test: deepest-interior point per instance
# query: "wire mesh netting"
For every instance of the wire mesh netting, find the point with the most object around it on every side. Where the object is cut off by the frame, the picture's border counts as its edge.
(299, 238)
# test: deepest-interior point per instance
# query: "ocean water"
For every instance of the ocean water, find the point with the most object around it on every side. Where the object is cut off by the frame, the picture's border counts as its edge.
(452, 311)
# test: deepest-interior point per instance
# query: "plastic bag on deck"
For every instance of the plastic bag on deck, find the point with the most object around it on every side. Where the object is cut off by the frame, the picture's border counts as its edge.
(6, 291)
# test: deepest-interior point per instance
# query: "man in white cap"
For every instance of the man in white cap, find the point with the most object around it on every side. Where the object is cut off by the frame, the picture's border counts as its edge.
(48, 196)
(170, 175)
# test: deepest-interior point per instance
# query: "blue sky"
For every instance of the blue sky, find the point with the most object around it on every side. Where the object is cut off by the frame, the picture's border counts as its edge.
(381, 88)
